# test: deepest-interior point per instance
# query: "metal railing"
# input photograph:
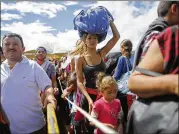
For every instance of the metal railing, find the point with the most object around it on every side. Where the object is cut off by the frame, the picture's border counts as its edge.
(52, 124)
(97, 123)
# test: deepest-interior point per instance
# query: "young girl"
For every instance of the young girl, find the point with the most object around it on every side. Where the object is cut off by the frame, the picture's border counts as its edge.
(107, 109)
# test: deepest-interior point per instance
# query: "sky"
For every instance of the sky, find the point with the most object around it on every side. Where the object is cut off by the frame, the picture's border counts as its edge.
(50, 24)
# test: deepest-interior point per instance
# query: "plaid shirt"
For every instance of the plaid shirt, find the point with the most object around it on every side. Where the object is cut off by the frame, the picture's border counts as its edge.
(168, 43)
(155, 28)
(147, 41)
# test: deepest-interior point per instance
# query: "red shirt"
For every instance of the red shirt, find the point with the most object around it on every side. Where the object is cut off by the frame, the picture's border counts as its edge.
(107, 112)
(168, 43)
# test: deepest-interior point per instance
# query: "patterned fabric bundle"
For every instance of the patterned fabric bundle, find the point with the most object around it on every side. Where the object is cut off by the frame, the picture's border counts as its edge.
(93, 21)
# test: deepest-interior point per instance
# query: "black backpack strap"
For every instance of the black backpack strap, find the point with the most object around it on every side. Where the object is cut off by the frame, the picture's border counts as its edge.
(138, 51)
(147, 72)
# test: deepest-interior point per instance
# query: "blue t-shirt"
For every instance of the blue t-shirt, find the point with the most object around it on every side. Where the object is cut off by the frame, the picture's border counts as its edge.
(121, 67)
(132, 59)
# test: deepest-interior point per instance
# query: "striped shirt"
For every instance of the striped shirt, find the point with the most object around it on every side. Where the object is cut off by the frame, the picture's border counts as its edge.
(168, 43)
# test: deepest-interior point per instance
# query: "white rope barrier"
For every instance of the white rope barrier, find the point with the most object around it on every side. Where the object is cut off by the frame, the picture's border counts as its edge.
(97, 123)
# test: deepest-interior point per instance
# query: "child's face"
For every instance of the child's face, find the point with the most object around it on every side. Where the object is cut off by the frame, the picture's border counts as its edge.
(110, 92)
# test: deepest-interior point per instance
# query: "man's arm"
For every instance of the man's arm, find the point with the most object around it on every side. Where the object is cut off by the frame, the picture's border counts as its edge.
(49, 97)
(54, 82)
(44, 83)
(148, 86)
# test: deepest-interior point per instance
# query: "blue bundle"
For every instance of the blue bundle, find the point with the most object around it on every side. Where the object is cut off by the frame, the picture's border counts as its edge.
(93, 21)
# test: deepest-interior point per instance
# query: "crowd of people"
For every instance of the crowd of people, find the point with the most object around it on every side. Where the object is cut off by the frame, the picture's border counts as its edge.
(27, 86)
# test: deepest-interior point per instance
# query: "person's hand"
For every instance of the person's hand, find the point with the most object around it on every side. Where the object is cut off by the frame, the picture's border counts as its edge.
(56, 91)
(50, 99)
(65, 93)
(90, 103)
(110, 19)
(59, 78)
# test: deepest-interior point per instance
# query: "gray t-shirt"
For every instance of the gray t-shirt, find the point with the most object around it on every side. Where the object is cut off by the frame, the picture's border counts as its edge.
(49, 68)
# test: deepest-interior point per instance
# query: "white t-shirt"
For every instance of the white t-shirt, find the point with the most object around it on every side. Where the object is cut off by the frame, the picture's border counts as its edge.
(20, 95)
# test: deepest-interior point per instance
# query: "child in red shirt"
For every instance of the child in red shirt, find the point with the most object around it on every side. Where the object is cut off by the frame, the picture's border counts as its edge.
(107, 109)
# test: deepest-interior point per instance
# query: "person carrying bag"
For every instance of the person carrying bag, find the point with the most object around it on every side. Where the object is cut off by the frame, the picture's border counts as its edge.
(121, 75)
(152, 115)
(156, 109)
(123, 81)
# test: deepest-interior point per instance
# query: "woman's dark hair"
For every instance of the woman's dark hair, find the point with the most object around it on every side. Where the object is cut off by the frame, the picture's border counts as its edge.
(127, 46)
(13, 35)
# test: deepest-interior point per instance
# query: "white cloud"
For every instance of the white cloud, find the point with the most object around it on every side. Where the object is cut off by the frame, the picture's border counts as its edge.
(35, 27)
(40, 8)
(70, 3)
(38, 34)
(129, 25)
(34, 34)
(7, 16)
(76, 12)
(68, 39)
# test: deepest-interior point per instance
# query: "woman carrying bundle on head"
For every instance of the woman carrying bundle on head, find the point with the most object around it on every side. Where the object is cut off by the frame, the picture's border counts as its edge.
(90, 63)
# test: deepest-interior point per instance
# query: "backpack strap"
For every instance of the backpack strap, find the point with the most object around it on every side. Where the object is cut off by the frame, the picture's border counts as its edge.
(138, 51)
(147, 72)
